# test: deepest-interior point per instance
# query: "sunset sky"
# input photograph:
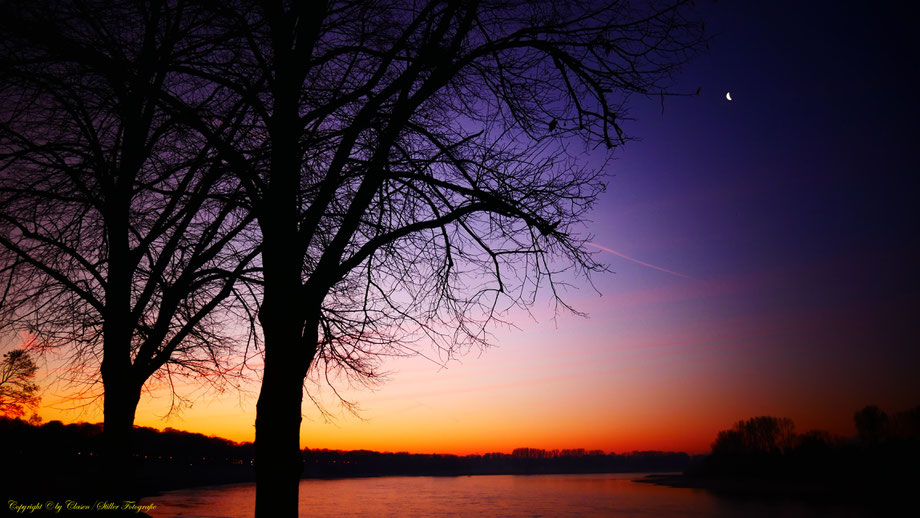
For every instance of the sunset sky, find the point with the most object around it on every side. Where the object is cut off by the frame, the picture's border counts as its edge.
(765, 252)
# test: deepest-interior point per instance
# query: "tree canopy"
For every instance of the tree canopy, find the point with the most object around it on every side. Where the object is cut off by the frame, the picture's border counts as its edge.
(416, 169)
(118, 231)
(18, 391)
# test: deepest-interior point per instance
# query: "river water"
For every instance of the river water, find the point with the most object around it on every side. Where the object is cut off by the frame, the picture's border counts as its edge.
(510, 496)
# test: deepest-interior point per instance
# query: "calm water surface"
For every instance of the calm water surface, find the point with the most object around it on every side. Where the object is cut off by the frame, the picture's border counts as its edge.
(485, 496)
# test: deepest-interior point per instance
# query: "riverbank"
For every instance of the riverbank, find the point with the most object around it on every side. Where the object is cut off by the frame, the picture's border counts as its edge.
(877, 493)
(743, 487)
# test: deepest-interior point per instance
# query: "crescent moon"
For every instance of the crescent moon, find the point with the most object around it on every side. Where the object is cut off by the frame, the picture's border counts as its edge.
(728, 95)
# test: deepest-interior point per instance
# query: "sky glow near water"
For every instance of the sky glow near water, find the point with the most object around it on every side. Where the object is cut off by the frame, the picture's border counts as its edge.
(763, 251)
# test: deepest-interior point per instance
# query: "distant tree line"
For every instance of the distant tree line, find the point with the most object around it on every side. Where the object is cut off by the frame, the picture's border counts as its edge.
(66, 441)
(67, 458)
(522, 461)
(884, 452)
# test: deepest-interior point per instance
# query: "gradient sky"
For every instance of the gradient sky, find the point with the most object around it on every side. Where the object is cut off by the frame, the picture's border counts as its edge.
(765, 252)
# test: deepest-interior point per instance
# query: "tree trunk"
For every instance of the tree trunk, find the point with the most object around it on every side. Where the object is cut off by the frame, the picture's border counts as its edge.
(290, 345)
(121, 392)
(119, 407)
(279, 462)
(290, 342)
(288, 353)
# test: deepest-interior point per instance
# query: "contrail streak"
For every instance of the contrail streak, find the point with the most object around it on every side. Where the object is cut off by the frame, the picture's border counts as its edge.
(643, 263)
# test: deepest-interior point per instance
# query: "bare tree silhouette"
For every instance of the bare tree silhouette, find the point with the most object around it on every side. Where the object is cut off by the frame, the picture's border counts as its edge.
(416, 169)
(763, 435)
(17, 390)
(872, 425)
(119, 236)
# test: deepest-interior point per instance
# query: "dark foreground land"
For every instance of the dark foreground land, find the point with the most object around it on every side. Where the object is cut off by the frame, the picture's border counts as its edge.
(859, 496)
(854, 489)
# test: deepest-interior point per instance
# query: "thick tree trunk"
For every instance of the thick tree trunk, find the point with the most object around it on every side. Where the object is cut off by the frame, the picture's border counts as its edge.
(288, 352)
(290, 342)
(290, 345)
(121, 391)
(119, 407)
(279, 461)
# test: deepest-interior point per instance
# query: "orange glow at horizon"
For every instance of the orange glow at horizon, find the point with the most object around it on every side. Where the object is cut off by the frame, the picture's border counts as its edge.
(657, 395)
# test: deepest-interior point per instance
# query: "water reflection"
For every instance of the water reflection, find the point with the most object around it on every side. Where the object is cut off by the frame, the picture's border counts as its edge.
(531, 496)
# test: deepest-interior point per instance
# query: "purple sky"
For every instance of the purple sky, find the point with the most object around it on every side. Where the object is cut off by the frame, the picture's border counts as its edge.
(765, 250)
(793, 206)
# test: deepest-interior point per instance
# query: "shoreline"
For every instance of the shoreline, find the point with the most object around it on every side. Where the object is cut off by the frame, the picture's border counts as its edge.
(742, 486)
(860, 492)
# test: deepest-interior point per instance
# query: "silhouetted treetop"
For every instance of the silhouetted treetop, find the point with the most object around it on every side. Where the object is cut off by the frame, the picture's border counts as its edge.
(871, 424)
(419, 159)
(763, 435)
(18, 391)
